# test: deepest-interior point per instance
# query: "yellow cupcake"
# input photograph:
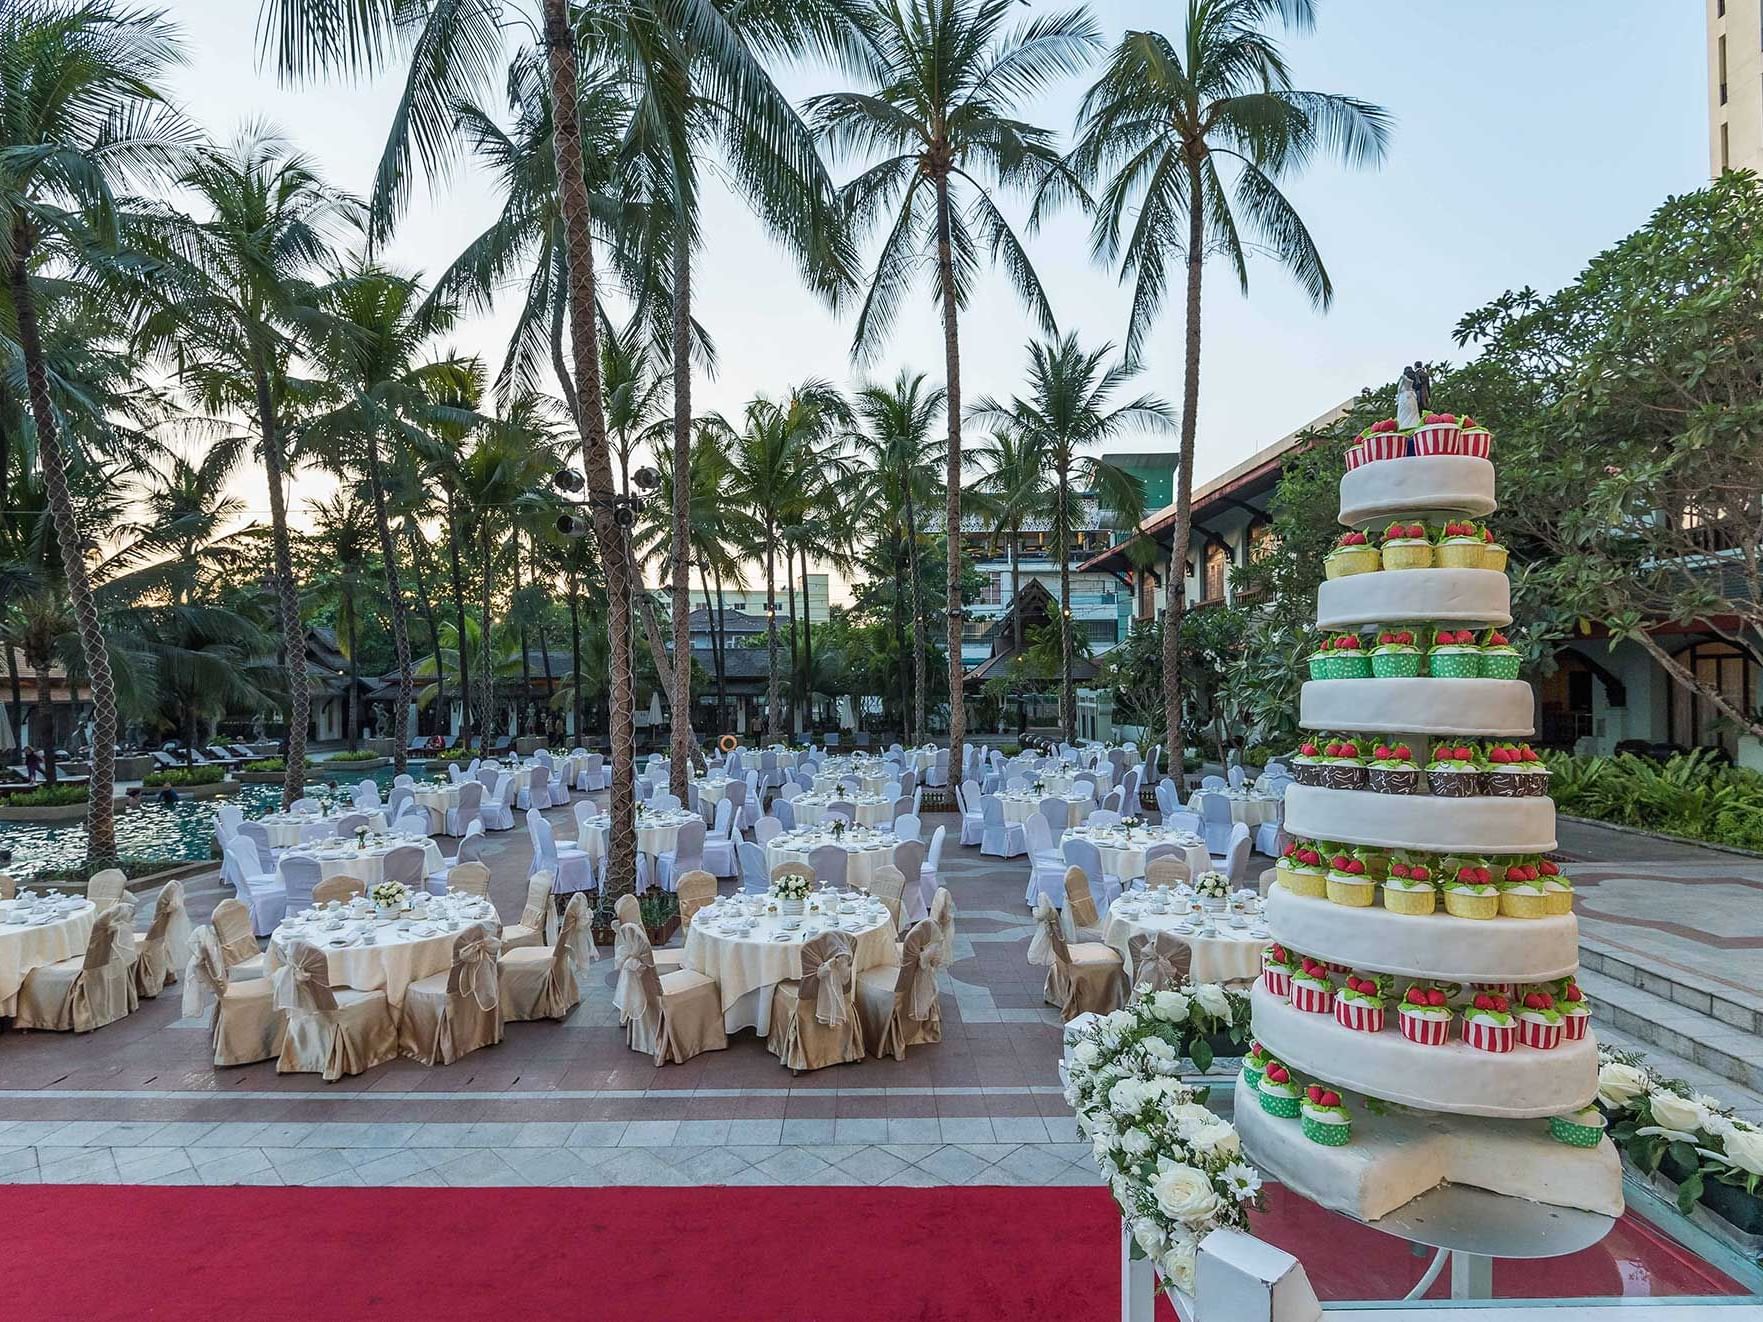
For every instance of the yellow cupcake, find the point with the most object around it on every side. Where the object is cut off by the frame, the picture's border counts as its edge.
(1408, 555)
(1460, 555)
(1493, 556)
(1346, 560)
(1354, 892)
(1464, 904)
(1523, 904)
(1557, 898)
(1313, 884)
(1416, 903)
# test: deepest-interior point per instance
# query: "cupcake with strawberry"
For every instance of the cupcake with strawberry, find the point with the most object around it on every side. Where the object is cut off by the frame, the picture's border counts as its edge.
(1459, 545)
(1473, 439)
(1499, 659)
(1321, 659)
(1489, 1024)
(1383, 439)
(1532, 771)
(1359, 1005)
(1454, 772)
(1350, 658)
(1540, 1021)
(1582, 1129)
(1406, 545)
(1323, 1118)
(1278, 1092)
(1348, 881)
(1277, 967)
(1493, 554)
(1302, 871)
(1411, 887)
(1576, 1010)
(1424, 1014)
(1343, 764)
(1312, 992)
(1307, 764)
(1396, 656)
(1255, 1064)
(1521, 889)
(1353, 553)
(1438, 433)
(1393, 770)
(1454, 654)
(1469, 888)
(1557, 888)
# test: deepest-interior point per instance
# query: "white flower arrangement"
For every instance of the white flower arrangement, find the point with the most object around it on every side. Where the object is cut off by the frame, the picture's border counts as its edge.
(1652, 1117)
(1212, 885)
(1175, 1168)
(390, 895)
(791, 887)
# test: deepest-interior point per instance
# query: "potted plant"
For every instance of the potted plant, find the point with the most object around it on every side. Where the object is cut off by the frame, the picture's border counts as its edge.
(660, 916)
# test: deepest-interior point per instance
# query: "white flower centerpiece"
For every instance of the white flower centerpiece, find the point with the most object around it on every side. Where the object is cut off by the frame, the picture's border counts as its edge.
(389, 897)
(1127, 824)
(1213, 888)
(791, 893)
(361, 837)
(1175, 1168)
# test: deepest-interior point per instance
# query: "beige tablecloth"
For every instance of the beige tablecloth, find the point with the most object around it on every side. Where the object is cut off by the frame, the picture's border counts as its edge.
(865, 855)
(367, 865)
(24, 947)
(657, 833)
(871, 809)
(1123, 856)
(1020, 805)
(747, 966)
(1229, 955)
(1250, 810)
(393, 962)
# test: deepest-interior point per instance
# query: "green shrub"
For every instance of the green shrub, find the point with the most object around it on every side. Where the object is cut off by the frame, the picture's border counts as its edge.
(356, 755)
(451, 755)
(1693, 794)
(1012, 750)
(47, 796)
(176, 776)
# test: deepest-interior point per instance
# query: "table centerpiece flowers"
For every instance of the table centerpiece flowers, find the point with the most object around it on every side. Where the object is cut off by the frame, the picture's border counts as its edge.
(1213, 888)
(389, 897)
(361, 837)
(791, 893)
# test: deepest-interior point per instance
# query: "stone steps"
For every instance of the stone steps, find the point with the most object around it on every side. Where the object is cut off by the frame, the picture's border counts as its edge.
(1732, 1006)
(1663, 1021)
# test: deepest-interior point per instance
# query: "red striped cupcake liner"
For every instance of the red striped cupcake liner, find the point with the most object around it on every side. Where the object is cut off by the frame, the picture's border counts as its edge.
(1574, 1026)
(1385, 445)
(1315, 1000)
(1491, 1038)
(1544, 1037)
(1438, 438)
(1359, 1018)
(1475, 442)
(1355, 456)
(1426, 1032)
(1277, 981)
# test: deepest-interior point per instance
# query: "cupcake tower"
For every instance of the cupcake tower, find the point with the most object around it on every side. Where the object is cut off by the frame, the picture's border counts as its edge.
(1425, 947)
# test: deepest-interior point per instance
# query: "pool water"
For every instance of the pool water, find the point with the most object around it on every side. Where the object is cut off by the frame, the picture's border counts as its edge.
(182, 831)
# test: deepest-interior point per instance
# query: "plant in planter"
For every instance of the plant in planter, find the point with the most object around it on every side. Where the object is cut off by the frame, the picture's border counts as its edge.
(660, 911)
(47, 796)
(176, 776)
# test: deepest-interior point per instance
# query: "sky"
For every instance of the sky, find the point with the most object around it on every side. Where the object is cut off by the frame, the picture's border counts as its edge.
(1528, 136)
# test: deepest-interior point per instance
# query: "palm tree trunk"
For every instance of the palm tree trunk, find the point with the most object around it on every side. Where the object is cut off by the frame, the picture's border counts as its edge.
(12, 682)
(459, 634)
(1062, 535)
(287, 593)
(722, 719)
(354, 730)
(807, 645)
(101, 790)
(560, 55)
(1016, 619)
(916, 606)
(905, 671)
(952, 519)
(575, 661)
(426, 604)
(544, 643)
(486, 680)
(526, 665)
(682, 740)
(1175, 589)
(395, 597)
(43, 720)
(771, 693)
(795, 656)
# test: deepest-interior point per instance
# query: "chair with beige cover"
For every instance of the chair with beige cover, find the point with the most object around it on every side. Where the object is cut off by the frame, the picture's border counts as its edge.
(696, 889)
(246, 1027)
(106, 887)
(330, 1031)
(472, 878)
(534, 922)
(814, 1020)
(1166, 871)
(1084, 976)
(238, 943)
(540, 983)
(899, 1006)
(628, 909)
(670, 1016)
(164, 948)
(889, 886)
(88, 991)
(341, 889)
(942, 913)
(1080, 904)
(1160, 960)
(8, 887)
(451, 1014)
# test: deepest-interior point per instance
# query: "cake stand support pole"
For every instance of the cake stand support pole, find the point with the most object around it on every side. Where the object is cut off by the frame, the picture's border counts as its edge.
(1138, 1283)
(1472, 1275)
(1430, 1275)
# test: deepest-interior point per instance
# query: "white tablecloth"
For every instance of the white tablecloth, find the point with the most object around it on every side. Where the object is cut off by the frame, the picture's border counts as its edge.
(871, 809)
(1249, 809)
(1020, 805)
(395, 959)
(289, 829)
(867, 852)
(868, 781)
(657, 833)
(747, 966)
(366, 865)
(25, 946)
(1228, 955)
(712, 790)
(1123, 855)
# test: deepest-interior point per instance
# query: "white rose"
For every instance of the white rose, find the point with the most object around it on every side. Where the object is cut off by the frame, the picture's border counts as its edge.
(1673, 1112)
(1213, 1000)
(1170, 1005)
(1158, 1050)
(1136, 1141)
(1620, 1084)
(1124, 1098)
(1744, 1149)
(1086, 1053)
(1216, 1137)
(1184, 1115)
(1149, 1235)
(1102, 1147)
(1185, 1194)
(1177, 1265)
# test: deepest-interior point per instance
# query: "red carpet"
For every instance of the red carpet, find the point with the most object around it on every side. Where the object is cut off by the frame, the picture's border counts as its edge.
(95, 1253)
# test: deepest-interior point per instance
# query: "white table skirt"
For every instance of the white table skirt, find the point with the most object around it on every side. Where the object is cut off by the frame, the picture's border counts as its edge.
(872, 810)
(860, 865)
(748, 967)
(25, 947)
(1020, 806)
(653, 838)
(713, 792)
(1231, 955)
(391, 964)
(368, 865)
(865, 782)
(285, 832)
(1248, 811)
(1127, 860)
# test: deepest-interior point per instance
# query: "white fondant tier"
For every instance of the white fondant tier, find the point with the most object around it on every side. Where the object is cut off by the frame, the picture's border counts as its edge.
(1436, 946)
(1441, 484)
(1495, 708)
(1454, 1077)
(1482, 825)
(1395, 1157)
(1393, 596)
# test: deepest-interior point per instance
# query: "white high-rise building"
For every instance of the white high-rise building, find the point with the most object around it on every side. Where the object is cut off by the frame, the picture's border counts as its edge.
(1735, 85)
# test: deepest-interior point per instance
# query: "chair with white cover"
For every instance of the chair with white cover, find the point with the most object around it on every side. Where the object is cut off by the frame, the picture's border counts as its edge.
(840, 808)
(785, 812)
(908, 826)
(1046, 865)
(403, 780)
(497, 807)
(999, 838)
(664, 801)
(339, 888)
(1084, 977)
(259, 888)
(454, 774)
(89, 990)
(238, 944)
(1016, 784)
(107, 887)
(1235, 861)
(1102, 817)
(227, 820)
(1215, 821)
(687, 854)
(1270, 838)
(719, 844)
(1214, 783)
(400, 801)
(769, 775)
(1082, 853)
(899, 1005)
(909, 858)
(937, 777)
(469, 813)
(304, 805)
(540, 982)
(933, 860)
(245, 1027)
(830, 863)
(487, 773)
(1160, 960)
(471, 849)
(348, 824)
(1113, 801)
(1057, 811)
(908, 781)
(331, 1032)
(571, 868)
(973, 821)
(814, 1018)
(755, 876)
(366, 795)
(788, 790)
(766, 829)
(453, 1013)
(559, 787)
(536, 793)
(736, 793)
(1167, 800)
(1166, 869)
(1238, 778)
(669, 1016)
(404, 863)
(164, 948)
(595, 775)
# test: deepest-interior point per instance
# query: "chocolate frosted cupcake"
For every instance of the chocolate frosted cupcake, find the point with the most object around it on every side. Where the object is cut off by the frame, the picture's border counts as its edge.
(1393, 770)
(1454, 772)
(1307, 765)
(1343, 765)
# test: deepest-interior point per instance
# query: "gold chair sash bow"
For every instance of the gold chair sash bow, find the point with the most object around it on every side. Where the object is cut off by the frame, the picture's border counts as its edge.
(922, 955)
(205, 973)
(303, 982)
(638, 993)
(826, 961)
(1159, 959)
(575, 938)
(474, 966)
(1047, 946)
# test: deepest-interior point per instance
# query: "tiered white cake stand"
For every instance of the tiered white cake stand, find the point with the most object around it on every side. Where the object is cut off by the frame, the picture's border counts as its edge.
(1461, 1159)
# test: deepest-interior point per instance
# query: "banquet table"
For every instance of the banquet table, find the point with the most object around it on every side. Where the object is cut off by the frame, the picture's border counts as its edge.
(1020, 805)
(657, 831)
(868, 781)
(1246, 806)
(370, 953)
(1123, 851)
(344, 858)
(867, 850)
(871, 809)
(748, 964)
(1226, 954)
(437, 800)
(712, 790)
(40, 929)
(289, 829)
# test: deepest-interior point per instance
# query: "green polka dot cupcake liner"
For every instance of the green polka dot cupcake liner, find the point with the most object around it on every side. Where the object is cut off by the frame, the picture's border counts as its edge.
(1252, 1077)
(1286, 1108)
(1500, 666)
(1396, 665)
(1455, 665)
(1565, 1129)
(1329, 1136)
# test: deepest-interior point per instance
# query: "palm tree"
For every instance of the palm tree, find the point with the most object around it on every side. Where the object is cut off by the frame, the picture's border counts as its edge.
(1157, 124)
(80, 115)
(1068, 406)
(940, 113)
(901, 448)
(340, 549)
(236, 301)
(1014, 488)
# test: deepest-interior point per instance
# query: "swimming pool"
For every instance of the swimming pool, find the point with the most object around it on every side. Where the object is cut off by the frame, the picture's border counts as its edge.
(176, 832)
